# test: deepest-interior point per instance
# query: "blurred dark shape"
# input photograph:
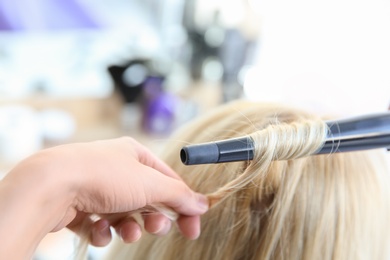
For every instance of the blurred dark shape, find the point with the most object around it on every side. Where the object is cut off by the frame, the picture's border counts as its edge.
(129, 78)
(46, 15)
(140, 84)
(235, 52)
(200, 52)
(226, 46)
(201, 49)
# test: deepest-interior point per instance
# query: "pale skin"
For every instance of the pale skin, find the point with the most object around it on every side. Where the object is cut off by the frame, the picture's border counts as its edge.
(59, 187)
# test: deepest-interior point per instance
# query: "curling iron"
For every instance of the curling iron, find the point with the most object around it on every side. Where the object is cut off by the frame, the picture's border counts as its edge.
(345, 135)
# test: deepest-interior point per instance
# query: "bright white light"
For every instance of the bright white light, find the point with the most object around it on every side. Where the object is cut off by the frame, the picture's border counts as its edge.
(135, 75)
(331, 55)
(232, 13)
(214, 36)
(212, 70)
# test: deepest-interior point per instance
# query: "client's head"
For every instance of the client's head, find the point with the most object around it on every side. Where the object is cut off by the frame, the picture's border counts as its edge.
(284, 204)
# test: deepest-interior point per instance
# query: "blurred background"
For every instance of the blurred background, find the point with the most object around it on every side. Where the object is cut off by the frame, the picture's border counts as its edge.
(81, 70)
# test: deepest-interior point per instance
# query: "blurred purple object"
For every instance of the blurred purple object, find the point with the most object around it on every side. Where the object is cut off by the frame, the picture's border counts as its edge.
(153, 86)
(46, 15)
(160, 114)
(159, 107)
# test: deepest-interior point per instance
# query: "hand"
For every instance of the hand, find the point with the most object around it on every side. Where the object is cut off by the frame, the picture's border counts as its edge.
(124, 176)
(109, 178)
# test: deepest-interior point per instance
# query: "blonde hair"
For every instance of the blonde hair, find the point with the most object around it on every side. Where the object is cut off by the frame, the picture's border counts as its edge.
(284, 204)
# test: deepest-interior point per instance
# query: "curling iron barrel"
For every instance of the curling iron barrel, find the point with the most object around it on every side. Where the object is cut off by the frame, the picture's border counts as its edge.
(231, 150)
(353, 134)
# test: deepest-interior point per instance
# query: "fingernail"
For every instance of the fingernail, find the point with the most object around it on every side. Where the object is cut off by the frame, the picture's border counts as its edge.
(164, 228)
(203, 202)
(104, 227)
(137, 235)
(196, 236)
(130, 237)
(101, 234)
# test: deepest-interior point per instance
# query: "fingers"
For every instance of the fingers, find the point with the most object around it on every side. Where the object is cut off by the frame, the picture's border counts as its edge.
(173, 193)
(162, 185)
(189, 226)
(150, 181)
(129, 230)
(157, 224)
(100, 233)
(160, 225)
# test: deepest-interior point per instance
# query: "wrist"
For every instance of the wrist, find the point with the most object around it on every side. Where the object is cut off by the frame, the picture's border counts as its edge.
(34, 200)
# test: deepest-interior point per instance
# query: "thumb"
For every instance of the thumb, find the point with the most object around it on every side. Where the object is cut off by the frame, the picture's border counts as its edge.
(175, 194)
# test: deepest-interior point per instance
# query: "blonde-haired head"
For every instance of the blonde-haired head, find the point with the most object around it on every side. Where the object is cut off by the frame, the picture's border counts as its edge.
(286, 203)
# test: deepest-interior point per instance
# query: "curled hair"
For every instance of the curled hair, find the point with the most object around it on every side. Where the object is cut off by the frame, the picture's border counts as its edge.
(276, 142)
(285, 203)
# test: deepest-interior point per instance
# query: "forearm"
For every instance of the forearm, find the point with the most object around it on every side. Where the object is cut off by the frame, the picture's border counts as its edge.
(31, 205)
